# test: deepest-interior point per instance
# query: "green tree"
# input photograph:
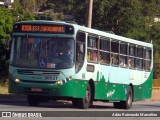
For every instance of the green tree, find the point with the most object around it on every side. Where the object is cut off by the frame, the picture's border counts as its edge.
(20, 13)
(6, 23)
(7, 19)
(29, 5)
(49, 15)
(59, 10)
(33, 5)
(156, 64)
(155, 35)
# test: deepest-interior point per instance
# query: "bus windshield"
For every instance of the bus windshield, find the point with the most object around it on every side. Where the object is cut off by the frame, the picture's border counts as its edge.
(42, 52)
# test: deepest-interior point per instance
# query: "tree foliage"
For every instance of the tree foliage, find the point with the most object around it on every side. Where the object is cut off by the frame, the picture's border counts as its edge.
(6, 23)
(7, 18)
(20, 12)
(155, 35)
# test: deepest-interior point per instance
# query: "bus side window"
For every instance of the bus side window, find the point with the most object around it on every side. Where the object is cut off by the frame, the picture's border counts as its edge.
(132, 55)
(147, 59)
(114, 52)
(129, 62)
(92, 50)
(93, 42)
(114, 59)
(123, 54)
(139, 57)
(92, 55)
(104, 57)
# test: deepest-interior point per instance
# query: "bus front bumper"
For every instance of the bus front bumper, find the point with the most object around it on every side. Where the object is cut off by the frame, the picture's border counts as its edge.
(73, 88)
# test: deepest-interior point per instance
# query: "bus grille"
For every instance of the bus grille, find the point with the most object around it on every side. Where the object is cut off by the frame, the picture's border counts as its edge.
(33, 81)
(37, 72)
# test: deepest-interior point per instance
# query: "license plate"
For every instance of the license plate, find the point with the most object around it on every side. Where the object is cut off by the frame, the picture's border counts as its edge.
(50, 77)
(36, 89)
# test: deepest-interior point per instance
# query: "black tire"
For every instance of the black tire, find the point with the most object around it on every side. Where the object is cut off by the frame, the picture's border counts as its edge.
(84, 103)
(128, 103)
(125, 104)
(33, 100)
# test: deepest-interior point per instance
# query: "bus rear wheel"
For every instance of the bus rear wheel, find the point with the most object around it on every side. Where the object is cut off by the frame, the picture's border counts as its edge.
(84, 103)
(33, 100)
(128, 103)
(125, 104)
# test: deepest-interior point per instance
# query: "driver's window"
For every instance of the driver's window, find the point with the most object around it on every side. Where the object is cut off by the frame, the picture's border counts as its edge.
(80, 50)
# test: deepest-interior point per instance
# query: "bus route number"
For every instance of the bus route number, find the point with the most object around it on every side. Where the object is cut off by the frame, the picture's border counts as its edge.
(50, 77)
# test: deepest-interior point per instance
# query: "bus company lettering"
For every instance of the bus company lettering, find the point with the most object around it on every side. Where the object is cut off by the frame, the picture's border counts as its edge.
(110, 93)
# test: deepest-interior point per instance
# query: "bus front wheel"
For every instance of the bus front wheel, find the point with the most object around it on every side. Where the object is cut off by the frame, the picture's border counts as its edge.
(84, 103)
(33, 100)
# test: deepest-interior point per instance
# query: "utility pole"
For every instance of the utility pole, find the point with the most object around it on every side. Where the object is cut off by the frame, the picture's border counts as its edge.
(90, 13)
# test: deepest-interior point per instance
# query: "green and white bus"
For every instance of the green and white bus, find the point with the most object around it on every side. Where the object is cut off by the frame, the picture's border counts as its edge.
(60, 60)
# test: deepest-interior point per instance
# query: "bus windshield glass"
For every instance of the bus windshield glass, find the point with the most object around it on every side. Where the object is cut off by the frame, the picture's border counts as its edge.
(42, 52)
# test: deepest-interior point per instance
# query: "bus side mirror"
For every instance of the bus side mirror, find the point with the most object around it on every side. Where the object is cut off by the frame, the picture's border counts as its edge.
(8, 42)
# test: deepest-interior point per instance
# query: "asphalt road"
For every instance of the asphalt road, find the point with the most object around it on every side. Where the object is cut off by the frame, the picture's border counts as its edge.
(18, 104)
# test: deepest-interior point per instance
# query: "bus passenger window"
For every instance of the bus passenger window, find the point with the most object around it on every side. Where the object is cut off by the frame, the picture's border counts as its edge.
(89, 56)
(93, 42)
(114, 46)
(122, 62)
(114, 59)
(132, 56)
(147, 59)
(105, 44)
(129, 63)
(104, 58)
(92, 55)
(140, 58)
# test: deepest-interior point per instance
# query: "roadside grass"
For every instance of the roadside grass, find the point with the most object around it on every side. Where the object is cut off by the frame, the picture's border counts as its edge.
(3, 85)
(3, 89)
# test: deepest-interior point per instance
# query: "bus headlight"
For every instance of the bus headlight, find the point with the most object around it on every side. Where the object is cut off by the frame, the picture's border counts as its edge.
(17, 81)
(59, 82)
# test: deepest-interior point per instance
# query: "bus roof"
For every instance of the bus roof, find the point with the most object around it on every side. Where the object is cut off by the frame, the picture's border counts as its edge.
(92, 31)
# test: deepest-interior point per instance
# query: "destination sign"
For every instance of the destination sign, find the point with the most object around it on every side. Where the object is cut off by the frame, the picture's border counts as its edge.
(43, 28)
